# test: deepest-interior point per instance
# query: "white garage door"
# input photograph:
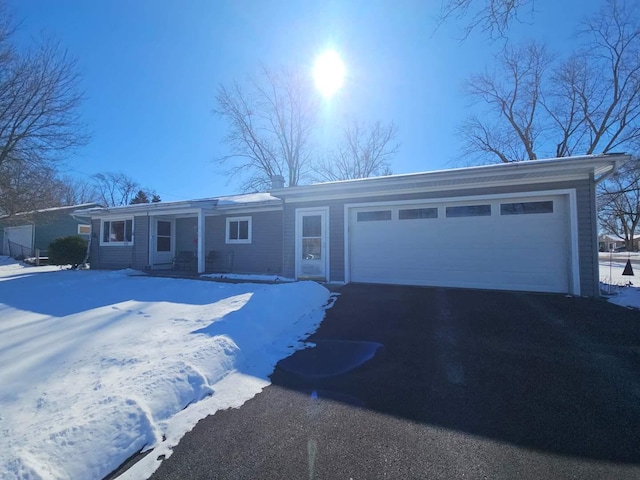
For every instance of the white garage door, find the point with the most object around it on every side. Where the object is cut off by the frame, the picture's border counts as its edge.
(21, 238)
(503, 244)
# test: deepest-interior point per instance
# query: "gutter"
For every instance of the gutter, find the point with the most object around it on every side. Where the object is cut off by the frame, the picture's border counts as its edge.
(614, 168)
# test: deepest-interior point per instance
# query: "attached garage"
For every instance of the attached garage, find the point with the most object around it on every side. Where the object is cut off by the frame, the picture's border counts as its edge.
(525, 226)
(503, 243)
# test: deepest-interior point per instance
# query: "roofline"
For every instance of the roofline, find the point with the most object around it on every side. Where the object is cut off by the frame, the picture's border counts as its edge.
(597, 164)
(209, 204)
(52, 209)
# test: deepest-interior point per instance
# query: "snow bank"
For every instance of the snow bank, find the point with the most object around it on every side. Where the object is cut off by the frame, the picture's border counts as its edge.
(99, 365)
(255, 278)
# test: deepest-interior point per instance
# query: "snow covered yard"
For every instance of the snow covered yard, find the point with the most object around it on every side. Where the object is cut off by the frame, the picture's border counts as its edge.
(95, 365)
(614, 285)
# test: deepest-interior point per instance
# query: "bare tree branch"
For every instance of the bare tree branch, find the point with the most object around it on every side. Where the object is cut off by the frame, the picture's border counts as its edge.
(587, 103)
(39, 118)
(115, 189)
(270, 121)
(365, 151)
(513, 96)
(491, 16)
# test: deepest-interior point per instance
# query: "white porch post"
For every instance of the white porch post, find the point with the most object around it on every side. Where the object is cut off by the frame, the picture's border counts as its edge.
(201, 241)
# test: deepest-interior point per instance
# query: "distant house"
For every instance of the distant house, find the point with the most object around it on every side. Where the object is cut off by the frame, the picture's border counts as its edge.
(528, 226)
(23, 233)
(611, 243)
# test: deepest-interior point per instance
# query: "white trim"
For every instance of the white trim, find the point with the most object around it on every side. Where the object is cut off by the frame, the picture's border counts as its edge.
(346, 228)
(426, 189)
(230, 241)
(326, 243)
(542, 170)
(465, 198)
(573, 233)
(83, 225)
(237, 210)
(570, 193)
(153, 229)
(117, 244)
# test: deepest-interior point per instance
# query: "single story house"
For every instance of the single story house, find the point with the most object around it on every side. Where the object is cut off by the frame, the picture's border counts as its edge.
(533, 228)
(611, 243)
(21, 234)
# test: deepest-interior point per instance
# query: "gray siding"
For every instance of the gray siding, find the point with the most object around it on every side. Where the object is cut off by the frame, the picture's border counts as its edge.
(187, 235)
(53, 226)
(48, 227)
(111, 257)
(263, 255)
(585, 195)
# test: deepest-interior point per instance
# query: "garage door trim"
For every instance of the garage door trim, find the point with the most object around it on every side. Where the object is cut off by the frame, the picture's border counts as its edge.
(574, 277)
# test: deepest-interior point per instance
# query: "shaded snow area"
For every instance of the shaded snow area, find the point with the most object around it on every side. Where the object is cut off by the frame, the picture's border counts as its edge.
(251, 277)
(620, 289)
(96, 366)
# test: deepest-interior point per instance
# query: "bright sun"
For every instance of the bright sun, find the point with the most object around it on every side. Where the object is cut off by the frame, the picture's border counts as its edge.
(328, 73)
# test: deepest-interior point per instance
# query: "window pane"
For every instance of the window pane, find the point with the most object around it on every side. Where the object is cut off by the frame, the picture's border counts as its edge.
(164, 228)
(105, 232)
(525, 208)
(374, 216)
(311, 248)
(469, 211)
(163, 244)
(117, 232)
(244, 230)
(413, 213)
(129, 230)
(233, 230)
(312, 226)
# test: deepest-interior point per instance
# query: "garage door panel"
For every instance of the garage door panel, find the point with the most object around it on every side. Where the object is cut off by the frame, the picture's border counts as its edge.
(510, 252)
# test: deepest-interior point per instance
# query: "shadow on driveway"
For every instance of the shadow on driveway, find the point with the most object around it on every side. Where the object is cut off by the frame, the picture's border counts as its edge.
(439, 383)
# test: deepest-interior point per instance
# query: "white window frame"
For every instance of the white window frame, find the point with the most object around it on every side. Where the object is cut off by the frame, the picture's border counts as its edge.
(81, 226)
(117, 244)
(227, 232)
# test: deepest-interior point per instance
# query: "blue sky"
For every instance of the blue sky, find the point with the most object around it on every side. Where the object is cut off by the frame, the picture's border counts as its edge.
(150, 69)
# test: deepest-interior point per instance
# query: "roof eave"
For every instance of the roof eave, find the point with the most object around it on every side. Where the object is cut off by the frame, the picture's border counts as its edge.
(569, 167)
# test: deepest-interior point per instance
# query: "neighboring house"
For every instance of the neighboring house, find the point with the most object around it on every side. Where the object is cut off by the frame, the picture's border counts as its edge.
(610, 243)
(23, 233)
(533, 228)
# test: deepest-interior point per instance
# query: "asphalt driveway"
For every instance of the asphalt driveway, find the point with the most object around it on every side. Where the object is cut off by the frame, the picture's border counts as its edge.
(439, 383)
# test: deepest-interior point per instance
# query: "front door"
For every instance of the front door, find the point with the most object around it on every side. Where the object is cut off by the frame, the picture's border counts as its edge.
(163, 242)
(311, 244)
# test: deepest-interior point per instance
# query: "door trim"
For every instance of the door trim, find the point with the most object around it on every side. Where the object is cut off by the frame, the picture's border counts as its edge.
(300, 212)
(153, 228)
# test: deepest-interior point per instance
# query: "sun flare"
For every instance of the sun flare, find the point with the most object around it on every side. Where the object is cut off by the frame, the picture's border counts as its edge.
(328, 73)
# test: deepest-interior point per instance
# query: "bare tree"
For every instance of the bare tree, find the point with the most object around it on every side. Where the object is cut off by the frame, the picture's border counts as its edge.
(587, 103)
(491, 16)
(270, 122)
(365, 151)
(74, 191)
(513, 97)
(39, 110)
(115, 189)
(611, 99)
(619, 203)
